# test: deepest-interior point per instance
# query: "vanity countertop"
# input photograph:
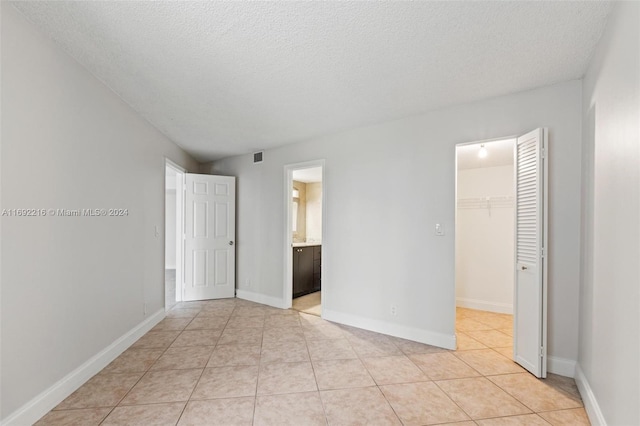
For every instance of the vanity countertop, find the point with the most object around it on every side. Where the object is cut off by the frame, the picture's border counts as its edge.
(307, 244)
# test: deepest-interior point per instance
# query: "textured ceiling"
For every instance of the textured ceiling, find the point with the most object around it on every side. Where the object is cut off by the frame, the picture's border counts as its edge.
(224, 78)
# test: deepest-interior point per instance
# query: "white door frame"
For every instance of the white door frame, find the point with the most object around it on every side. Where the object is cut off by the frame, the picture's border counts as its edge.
(179, 224)
(287, 290)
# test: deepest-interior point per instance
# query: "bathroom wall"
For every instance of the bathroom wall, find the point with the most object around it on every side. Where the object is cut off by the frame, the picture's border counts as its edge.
(484, 241)
(314, 212)
(309, 226)
(300, 234)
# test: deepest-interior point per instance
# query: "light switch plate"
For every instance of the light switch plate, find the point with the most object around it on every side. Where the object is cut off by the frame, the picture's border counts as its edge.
(439, 229)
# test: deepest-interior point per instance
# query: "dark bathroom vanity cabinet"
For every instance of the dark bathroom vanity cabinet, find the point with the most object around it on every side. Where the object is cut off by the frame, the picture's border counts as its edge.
(307, 262)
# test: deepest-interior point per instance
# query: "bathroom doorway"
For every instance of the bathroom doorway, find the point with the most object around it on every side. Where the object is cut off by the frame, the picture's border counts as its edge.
(484, 255)
(304, 236)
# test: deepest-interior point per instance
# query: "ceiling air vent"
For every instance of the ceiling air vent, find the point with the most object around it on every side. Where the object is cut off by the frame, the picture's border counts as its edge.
(257, 157)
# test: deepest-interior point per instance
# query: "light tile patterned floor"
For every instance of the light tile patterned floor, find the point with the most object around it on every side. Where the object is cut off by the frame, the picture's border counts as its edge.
(233, 362)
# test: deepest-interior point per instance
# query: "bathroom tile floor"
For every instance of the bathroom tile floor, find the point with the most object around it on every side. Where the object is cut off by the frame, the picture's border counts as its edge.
(309, 303)
(233, 362)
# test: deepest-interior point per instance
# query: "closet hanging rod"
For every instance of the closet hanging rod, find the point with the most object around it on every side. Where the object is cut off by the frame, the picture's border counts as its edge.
(485, 202)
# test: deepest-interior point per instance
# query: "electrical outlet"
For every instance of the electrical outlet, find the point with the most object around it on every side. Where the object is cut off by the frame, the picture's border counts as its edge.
(247, 283)
(394, 310)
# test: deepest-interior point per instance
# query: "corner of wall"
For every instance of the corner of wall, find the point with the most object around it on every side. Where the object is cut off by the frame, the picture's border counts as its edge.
(561, 366)
(588, 398)
(396, 330)
(261, 298)
(205, 168)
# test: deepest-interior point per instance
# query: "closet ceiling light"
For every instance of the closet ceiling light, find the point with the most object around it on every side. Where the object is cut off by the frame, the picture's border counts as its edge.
(483, 152)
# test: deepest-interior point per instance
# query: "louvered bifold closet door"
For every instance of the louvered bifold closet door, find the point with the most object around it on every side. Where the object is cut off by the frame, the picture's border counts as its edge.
(527, 203)
(530, 238)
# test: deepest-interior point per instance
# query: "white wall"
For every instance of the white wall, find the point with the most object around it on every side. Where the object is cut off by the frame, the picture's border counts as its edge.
(484, 241)
(385, 187)
(170, 230)
(610, 291)
(72, 286)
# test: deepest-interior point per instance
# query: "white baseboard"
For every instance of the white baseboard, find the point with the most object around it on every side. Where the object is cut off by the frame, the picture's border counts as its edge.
(384, 327)
(561, 366)
(483, 305)
(260, 298)
(589, 399)
(33, 410)
(397, 330)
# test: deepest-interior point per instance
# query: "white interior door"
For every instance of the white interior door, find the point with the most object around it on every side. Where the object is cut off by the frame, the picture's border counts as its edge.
(530, 304)
(210, 213)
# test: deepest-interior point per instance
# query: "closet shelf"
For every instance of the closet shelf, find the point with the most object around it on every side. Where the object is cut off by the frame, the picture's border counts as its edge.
(485, 202)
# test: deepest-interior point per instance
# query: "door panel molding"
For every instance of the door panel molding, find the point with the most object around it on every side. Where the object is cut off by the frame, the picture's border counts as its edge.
(210, 237)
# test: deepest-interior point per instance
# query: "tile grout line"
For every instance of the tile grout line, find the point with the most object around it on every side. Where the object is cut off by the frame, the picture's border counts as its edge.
(315, 376)
(492, 348)
(255, 398)
(487, 376)
(143, 373)
(436, 384)
(360, 358)
(451, 399)
(205, 365)
(199, 378)
(481, 375)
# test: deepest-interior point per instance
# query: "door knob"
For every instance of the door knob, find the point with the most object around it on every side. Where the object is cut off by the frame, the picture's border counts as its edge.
(523, 268)
(230, 243)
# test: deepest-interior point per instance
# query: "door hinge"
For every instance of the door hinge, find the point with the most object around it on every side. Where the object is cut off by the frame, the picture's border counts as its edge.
(541, 351)
(543, 153)
(542, 252)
